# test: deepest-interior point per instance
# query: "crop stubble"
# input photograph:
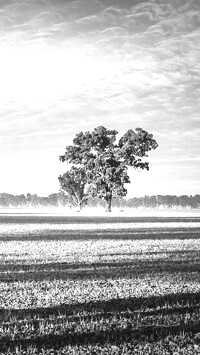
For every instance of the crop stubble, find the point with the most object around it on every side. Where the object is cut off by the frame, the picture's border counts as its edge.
(79, 291)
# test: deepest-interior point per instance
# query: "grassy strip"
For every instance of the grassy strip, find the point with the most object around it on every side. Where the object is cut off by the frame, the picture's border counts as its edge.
(122, 234)
(96, 271)
(27, 219)
(178, 345)
(93, 322)
(112, 335)
(139, 304)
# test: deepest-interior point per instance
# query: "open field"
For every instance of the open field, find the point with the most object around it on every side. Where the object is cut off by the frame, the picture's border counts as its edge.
(99, 285)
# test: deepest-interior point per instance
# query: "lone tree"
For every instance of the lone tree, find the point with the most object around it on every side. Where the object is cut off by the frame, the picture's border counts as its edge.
(105, 163)
(73, 184)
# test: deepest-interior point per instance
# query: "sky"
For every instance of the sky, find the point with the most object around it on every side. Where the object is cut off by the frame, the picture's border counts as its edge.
(71, 65)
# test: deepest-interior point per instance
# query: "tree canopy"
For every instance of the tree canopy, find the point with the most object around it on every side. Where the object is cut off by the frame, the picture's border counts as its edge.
(105, 161)
(73, 183)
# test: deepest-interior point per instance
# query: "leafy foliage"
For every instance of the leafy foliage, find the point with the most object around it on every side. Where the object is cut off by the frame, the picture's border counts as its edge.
(135, 145)
(105, 162)
(73, 183)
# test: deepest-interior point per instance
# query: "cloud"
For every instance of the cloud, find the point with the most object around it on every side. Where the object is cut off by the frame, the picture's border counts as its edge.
(133, 63)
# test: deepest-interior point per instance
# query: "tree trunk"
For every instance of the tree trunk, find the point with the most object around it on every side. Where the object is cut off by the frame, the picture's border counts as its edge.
(108, 203)
(79, 206)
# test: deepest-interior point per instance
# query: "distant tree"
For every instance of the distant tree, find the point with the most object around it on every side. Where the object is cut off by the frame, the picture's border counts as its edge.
(74, 183)
(20, 200)
(184, 201)
(149, 201)
(28, 199)
(152, 202)
(7, 200)
(105, 163)
(4, 201)
(195, 201)
(63, 199)
(34, 200)
(133, 202)
(54, 200)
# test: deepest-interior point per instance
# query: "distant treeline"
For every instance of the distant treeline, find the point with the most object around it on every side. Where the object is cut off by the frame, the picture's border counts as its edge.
(60, 200)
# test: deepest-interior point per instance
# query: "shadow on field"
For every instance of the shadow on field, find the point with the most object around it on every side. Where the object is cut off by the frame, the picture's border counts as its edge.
(173, 303)
(51, 219)
(180, 262)
(162, 304)
(105, 234)
(111, 336)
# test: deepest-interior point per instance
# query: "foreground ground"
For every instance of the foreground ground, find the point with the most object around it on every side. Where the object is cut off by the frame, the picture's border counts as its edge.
(80, 285)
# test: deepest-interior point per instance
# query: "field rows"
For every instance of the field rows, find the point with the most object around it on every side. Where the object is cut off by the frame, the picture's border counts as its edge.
(16, 228)
(102, 295)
